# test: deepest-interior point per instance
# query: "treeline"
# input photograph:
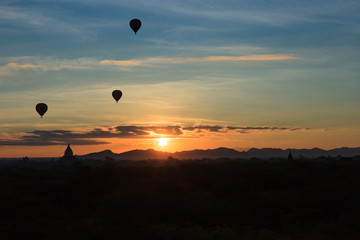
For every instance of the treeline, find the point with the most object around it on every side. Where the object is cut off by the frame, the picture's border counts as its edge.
(182, 200)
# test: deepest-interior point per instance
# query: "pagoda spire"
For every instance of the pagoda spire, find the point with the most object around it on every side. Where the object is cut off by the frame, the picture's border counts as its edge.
(290, 157)
(68, 152)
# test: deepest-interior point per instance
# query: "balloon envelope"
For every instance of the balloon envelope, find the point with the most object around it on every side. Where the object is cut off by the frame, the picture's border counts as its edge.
(135, 24)
(41, 108)
(117, 95)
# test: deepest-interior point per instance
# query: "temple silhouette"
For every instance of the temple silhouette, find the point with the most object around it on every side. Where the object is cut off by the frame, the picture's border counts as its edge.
(290, 157)
(68, 157)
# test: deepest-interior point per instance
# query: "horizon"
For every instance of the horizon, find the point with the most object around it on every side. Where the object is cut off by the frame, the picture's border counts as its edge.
(195, 75)
(195, 149)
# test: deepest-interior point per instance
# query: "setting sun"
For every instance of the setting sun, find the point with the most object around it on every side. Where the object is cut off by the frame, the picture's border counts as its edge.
(162, 141)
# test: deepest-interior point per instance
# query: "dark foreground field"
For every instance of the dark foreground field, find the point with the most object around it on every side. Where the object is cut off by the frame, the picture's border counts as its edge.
(183, 200)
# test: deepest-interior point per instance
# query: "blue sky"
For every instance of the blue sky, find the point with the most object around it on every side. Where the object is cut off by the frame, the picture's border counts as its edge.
(266, 66)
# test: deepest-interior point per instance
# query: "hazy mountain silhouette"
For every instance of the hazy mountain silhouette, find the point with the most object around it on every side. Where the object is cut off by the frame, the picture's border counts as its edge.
(209, 153)
(101, 155)
(263, 153)
(130, 155)
(144, 154)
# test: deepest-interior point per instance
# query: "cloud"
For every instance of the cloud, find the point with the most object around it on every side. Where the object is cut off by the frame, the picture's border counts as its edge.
(45, 63)
(96, 136)
(221, 129)
(44, 67)
(59, 137)
(49, 20)
(233, 49)
(263, 12)
(178, 60)
(269, 57)
(202, 128)
(23, 66)
(51, 64)
(125, 63)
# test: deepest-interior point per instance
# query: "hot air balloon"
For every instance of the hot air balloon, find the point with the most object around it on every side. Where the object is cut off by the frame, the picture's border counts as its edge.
(117, 95)
(135, 25)
(41, 108)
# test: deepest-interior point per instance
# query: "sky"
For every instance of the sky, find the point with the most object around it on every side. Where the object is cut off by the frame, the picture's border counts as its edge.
(202, 74)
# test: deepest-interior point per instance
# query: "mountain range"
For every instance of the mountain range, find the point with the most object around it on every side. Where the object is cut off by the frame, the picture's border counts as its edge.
(263, 153)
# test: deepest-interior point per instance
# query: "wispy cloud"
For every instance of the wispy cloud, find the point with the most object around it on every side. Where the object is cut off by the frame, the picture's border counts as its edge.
(263, 12)
(123, 63)
(15, 66)
(243, 129)
(23, 66)
(45, 63)
(269, 57)
(96, 136)
(37, 19)
(58, 20)
(53, 64)
(180, 60)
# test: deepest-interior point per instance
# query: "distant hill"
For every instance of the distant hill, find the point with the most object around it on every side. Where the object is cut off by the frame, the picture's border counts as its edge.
(209, 153)
(130, 155)
(144, 155)
(263, 153)
(100, 155)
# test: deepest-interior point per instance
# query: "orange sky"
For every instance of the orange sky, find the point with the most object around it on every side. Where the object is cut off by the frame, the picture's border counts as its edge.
(326, 139)
(237, 74)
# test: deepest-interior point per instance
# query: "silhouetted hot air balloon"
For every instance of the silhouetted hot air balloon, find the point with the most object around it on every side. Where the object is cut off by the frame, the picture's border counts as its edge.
(41, 108)
(135, 25)
(117, 95)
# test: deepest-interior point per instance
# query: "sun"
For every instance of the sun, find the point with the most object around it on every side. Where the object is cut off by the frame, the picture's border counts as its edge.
(162, 141)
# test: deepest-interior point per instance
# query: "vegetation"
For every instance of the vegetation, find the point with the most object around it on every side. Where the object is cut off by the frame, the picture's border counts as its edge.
(183, 200)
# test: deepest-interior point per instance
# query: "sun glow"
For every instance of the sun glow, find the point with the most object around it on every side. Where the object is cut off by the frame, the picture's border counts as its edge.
(162, 142)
